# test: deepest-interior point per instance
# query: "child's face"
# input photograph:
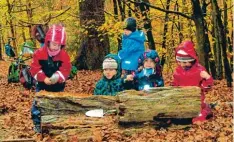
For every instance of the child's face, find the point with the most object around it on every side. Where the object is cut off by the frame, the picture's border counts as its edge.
(127, 32)
(53, 46)
(149, 63)
(185, 65)
(109, 73)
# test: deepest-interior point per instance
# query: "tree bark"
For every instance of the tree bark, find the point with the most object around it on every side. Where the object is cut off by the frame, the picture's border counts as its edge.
(9, 10)
(165, 102)
(200, 33)
(165, 30)
(30, 15)
(94, 44)
(116, 17)
(1, 42)
(222, 41)
(147, 24)
(66, 103)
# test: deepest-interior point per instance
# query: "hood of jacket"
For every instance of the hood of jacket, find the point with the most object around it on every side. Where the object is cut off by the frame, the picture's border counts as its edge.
(137, 36)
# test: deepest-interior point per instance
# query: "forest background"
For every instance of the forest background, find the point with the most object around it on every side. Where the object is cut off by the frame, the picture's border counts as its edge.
(94, 28)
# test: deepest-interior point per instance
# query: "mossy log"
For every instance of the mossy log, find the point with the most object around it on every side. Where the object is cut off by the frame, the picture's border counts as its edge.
(65, 111)
(164, 102)
(63, 103)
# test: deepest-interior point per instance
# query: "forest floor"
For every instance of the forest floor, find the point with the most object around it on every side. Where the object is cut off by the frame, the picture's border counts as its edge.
(16, 123)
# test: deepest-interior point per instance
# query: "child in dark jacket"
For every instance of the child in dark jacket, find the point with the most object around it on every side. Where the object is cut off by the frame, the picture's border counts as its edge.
(111, 82)
(149, 73)
(190, 73)
(50, 67)
(132, 47)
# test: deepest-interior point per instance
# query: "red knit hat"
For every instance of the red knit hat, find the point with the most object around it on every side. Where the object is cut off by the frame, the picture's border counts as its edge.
(182, 56)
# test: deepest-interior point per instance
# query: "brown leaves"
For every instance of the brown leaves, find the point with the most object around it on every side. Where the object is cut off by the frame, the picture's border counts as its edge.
(17, 123)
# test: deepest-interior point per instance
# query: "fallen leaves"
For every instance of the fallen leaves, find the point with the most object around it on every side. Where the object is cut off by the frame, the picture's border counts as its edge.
(16, 121)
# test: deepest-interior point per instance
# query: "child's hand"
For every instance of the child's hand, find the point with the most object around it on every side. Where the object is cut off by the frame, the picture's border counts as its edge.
(54, 78)
(204, 75)
(140, 68)
(129, 77)
(47, 81)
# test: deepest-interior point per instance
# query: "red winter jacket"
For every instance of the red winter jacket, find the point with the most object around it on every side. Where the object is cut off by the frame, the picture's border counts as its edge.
(192, 76)
(41, 68)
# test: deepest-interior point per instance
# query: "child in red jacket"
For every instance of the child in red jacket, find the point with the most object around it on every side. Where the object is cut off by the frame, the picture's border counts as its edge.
(51, 64)
(50, 67)
(190, 73)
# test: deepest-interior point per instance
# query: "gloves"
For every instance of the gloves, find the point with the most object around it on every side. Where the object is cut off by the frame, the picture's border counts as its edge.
(54, 78)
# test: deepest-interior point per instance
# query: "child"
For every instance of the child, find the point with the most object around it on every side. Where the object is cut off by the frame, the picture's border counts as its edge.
(111, 82)
(50, 66)
(190, 73)
(150, 75)
(132, 47)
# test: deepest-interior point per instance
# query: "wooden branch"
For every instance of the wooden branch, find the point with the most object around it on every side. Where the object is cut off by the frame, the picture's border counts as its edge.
(47, 20)
(25, 9)
(163, 10)
(226, 8)
(60, 13)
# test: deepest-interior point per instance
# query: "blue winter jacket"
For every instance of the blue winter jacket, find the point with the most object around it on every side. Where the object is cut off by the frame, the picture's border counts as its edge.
(132, 48)
(148, 77)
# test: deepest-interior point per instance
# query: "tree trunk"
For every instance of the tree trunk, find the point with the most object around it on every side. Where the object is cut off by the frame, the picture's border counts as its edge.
(58, 109)
(222, 41)
(116, 17)
(10, 6)
(94, 44)
(121, 10)
(30, 15)
(1, 50)
(200, 32)
(165, 30)
(147, 24)
(230, 49)
(207, 50)
(216, 49)
(217, 46)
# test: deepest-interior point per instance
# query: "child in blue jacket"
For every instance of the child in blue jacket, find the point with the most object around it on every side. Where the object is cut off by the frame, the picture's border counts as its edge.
(111, 82)
(149, 73)
(132, 47)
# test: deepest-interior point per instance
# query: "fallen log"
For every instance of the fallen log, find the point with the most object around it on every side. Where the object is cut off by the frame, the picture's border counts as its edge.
(65, 112)
(164, 102)
(63, 103)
